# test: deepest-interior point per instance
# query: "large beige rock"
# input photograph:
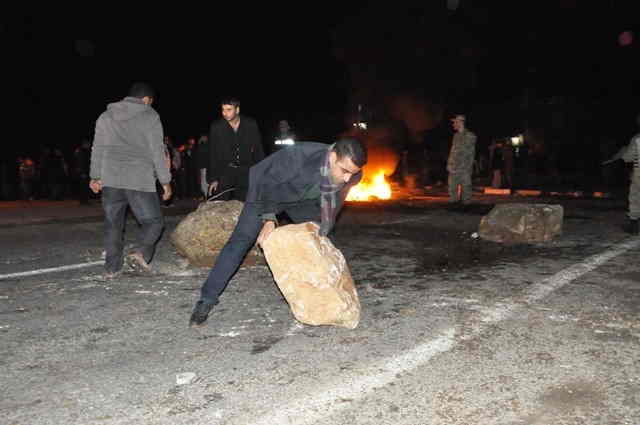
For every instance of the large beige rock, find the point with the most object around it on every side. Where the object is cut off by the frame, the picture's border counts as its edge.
(313, 276)
(201, 235)
(522, 223)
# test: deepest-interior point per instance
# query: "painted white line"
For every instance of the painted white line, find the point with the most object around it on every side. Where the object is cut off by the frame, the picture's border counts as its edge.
(323, 403)
(405, 221)
(52, 269)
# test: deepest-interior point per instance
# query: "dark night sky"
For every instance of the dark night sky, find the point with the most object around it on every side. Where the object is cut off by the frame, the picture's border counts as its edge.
(73, 64)
(301, 62)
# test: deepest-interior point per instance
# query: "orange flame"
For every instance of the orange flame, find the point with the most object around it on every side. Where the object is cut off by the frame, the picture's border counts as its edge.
(371, 188)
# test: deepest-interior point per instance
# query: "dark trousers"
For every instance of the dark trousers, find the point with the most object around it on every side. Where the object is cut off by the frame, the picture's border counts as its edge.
(26, 189)
(146, 208)
(242, 239)
(82, 189)
(181, 184)
(192, 180)
(57, 191)
(236, 178)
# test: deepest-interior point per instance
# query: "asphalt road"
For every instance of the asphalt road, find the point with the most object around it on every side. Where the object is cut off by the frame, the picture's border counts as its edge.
(454, 330)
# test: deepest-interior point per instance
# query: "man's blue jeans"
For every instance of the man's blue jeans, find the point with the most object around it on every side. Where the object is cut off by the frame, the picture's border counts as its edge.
(242, 239)
(146, 208)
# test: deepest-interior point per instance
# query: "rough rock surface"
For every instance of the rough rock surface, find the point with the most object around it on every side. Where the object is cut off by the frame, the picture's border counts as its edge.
(313, 276)
(201, 235)
(522, 223)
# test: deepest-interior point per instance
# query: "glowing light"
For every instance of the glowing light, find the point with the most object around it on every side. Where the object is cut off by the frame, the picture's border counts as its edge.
(285, 142)
(517, 140)
(375, 188)
(361, 125)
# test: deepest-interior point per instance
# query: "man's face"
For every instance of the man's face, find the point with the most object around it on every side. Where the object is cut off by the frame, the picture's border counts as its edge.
(458, 123)
(283, 126)
(230, 112)
(342, 170)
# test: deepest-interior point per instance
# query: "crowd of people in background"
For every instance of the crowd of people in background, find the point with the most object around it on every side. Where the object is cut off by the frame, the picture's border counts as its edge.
(187, 162)
(52, 175)
(56, 174)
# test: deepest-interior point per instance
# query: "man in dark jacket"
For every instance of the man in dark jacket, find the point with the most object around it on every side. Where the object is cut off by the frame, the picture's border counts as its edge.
(234, 146)
(307, 181)
(127, 157)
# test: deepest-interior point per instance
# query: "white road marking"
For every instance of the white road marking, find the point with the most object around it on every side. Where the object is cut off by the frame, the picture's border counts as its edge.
(52, 269)
(323, 402)
(406, 220)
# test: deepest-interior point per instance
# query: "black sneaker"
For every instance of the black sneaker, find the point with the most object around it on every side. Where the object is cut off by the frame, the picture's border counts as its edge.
(200, 313)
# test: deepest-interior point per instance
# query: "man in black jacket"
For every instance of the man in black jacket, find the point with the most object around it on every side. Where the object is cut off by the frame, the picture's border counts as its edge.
(307, 181)
(234, 146)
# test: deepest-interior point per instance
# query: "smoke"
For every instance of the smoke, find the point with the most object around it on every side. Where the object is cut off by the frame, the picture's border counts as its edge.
(417, 115)
(402, 120)
(382, 148)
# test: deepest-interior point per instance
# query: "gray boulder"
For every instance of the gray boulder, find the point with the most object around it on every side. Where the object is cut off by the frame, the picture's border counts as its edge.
(522, 223)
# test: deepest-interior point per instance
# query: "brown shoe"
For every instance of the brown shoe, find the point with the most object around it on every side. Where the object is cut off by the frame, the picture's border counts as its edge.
(136, 261)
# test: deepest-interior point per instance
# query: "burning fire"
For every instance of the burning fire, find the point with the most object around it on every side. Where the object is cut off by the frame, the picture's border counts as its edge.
(371, 188)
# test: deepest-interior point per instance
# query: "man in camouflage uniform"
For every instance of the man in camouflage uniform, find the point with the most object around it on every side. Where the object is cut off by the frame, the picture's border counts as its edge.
(460, 163)
(631, 154)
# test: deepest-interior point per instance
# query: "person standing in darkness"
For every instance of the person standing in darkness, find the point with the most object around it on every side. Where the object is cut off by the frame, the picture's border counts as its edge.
(460, 162)
(235, 145)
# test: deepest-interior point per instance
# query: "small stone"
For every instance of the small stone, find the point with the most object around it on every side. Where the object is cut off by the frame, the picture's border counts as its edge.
(185, 378)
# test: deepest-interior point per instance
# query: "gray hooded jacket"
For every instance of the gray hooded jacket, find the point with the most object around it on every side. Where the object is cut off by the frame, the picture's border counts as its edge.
(128, 148)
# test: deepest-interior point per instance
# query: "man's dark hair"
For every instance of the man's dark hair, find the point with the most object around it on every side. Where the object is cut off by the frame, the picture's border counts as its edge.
(141, 90)
(230, 101)
(353, 149)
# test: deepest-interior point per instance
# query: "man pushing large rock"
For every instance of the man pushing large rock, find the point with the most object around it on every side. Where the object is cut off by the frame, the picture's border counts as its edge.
(308, 181)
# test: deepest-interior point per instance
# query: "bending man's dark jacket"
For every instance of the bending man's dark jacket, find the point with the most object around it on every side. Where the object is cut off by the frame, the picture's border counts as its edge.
(242, 148)
(287, 177)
